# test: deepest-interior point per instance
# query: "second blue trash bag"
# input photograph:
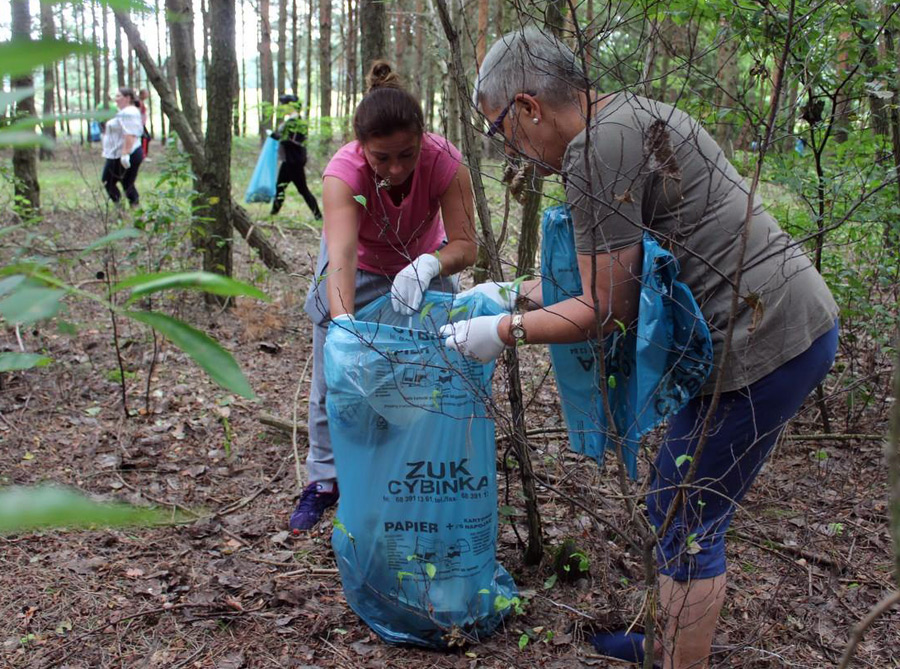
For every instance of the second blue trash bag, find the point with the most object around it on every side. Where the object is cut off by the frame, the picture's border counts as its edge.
(416, 527)
(651, 370)
(265, 174)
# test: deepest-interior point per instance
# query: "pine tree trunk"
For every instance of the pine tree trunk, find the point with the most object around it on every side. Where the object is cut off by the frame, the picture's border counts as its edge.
(281, 74)
(48, 129)
(325, 69)
(204, 15)
(106, 80)
(420, 78)
(27, 190)
(64, 106)
(85, 62)
(244, 109)
(308, 97)
(295, 54)
(120, 62)
(215, 201)
(267, 76)
(181, 34)
(371, 33)
(98, 71)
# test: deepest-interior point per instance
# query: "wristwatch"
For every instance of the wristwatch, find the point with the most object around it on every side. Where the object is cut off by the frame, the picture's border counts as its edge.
(517, 329)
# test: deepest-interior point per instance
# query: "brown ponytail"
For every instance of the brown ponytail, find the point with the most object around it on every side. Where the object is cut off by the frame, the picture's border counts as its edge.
(387, 107)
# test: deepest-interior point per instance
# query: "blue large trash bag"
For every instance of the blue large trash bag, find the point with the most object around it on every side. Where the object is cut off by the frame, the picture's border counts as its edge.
(416, 527)
(262, 183)
(94, 131)
(651, 371)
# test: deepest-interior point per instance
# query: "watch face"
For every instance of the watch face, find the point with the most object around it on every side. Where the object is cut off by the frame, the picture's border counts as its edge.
(518, 331)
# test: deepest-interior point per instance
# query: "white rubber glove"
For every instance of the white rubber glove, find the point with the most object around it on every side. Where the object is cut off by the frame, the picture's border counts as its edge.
(343, 320)
(504, 293)
(476, 338)
(411, 282)
(125, 160)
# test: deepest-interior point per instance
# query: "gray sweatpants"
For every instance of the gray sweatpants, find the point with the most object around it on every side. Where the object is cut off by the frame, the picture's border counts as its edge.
(369, 287)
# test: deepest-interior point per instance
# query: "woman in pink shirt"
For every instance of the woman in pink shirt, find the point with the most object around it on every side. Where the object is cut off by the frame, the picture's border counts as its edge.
(392, 199)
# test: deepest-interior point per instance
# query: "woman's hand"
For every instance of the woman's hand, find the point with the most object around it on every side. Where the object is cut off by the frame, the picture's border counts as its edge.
(477, 338)
(412, 282)
(504, 294)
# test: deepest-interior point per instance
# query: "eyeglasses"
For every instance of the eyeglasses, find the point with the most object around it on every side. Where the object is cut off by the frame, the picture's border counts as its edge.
(497, 124)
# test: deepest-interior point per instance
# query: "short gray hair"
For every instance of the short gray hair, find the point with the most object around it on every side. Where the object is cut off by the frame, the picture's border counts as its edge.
(527, 59)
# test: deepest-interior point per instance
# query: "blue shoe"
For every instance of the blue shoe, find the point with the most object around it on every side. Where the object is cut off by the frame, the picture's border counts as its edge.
(312, 504)
(628, 646)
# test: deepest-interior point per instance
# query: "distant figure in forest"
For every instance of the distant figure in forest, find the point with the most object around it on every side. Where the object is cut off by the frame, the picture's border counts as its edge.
(393, 198)
(122, 148)
(291, 135)
(143, 96)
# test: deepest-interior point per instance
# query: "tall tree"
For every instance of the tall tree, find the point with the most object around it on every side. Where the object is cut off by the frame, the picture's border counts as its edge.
(295, 52)
(325, 67)
(98, 70)
(372, 29)
(27, 189)
(181, 34)
(105, 10)
(267, 77)
(215, 209)
(48, 128)
(308, 97)
(281, 72)
(120, 62)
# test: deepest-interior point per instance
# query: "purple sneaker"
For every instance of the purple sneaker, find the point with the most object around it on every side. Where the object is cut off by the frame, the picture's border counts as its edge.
(312, 504)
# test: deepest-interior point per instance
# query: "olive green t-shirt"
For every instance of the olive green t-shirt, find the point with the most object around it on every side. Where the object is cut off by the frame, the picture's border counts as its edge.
(653, 168)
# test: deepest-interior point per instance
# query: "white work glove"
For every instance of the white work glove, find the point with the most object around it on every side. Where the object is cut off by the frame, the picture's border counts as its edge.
(125, 160)
(504, 293)
(411, 282)
(476, 338)
(343, 320)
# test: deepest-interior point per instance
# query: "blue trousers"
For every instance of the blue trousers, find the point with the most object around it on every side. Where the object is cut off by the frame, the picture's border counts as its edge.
(746, 425)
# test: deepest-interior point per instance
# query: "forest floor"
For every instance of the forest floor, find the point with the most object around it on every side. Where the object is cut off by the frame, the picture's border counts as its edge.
(229, 587)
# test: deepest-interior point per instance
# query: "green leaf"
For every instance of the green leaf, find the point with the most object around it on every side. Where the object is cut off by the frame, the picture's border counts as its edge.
(23, 138)
(10, 283)
(402, 574)
(550, 582)
(10, 362)
(22, 56)
(24, 509)
(8, 98)
(430, 569)
(484, 591)
(523, 641)
(681, 459)
(205, 351)
(31, 304)
(116, 235)
(145, 284)
(461, 309)
(425, 309)
(361, 199)
(506, 510)
(501, 603)
(611, 381)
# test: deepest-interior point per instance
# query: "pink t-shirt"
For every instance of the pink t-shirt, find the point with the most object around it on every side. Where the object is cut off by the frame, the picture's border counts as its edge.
(391, 236)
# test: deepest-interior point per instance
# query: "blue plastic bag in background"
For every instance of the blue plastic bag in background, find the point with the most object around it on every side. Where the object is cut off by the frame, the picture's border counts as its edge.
(94, 131)
(265, 174)
(416, 527)
(651, 371)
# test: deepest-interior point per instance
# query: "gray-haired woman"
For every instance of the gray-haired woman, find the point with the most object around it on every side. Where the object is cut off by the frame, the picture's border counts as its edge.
(644, 166)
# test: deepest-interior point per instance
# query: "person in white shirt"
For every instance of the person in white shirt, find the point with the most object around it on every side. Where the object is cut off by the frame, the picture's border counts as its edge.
(122, 148)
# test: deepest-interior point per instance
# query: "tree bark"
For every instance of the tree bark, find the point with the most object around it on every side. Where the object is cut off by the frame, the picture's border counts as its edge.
(371, 33)
(281, 74)
(87, 67)
(106, 79)
(26, 189)
(215, 208)
(181, 34)
(308, 97)
(120, 63)
(98, 69)
(893, 465)
(325, 68)
(48, 129)
(726, 92)
(192, 144)
(267, 76)
(204, 14)
(295, 54)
